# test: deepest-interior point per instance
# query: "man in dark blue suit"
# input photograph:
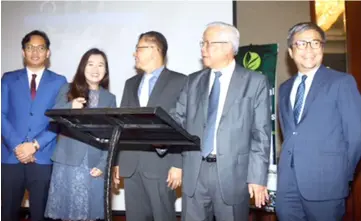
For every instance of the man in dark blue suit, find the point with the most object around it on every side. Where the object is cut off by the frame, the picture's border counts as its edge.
(27, 145)
(320, 117)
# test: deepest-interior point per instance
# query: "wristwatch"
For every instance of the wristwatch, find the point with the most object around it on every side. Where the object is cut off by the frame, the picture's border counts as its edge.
(35, 145)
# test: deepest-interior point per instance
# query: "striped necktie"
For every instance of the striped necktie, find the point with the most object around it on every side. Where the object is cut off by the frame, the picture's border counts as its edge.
(299, 99)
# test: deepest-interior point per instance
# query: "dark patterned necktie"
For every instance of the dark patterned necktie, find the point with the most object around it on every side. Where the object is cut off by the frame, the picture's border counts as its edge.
(33, 87)
(299, 99)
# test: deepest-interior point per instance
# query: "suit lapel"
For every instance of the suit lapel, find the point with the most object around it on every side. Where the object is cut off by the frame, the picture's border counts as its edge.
(158, 88)
(236, 89)
(102, 98)
(286, 102)
(318, 80)
(203, 93)
(24, 83)
(135, 89)
(42, 88)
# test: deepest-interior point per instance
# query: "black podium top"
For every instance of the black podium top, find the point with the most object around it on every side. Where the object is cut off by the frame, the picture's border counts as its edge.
(146, 125)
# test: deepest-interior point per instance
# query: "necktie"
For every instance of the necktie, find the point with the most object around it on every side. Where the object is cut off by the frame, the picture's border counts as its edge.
(210, 129)
(145, 91)
(33, 86)
(299, 99)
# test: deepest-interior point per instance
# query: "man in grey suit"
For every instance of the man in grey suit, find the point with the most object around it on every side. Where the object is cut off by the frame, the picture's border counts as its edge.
(151, 174)
(228, 107)
(320, 118)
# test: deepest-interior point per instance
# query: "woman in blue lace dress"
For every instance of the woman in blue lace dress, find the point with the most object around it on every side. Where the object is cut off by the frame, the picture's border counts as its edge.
(77, 182)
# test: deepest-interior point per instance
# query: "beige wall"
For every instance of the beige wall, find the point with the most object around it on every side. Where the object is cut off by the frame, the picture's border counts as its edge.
(268, 22)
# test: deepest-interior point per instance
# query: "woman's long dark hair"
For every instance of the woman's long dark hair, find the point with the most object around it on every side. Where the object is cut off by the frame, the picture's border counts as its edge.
(79, 87)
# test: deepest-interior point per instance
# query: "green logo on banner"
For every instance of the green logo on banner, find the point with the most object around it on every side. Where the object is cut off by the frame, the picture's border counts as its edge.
(252, 61)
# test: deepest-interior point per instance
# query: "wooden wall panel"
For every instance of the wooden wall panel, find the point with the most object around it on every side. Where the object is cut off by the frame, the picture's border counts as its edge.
(353, 32)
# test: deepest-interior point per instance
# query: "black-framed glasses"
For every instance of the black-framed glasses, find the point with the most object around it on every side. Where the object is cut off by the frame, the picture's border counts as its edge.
(314, 44)
(39, 48)
(209, 43)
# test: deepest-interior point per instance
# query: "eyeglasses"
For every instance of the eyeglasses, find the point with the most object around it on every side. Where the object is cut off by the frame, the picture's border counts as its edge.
(39, 48)
(138, 48)
(302, 44)
(209, 43)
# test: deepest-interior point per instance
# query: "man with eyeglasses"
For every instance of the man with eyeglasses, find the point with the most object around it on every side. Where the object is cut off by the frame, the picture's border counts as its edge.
(320, 118)
(151, 173)
(228, 107)
(27, 145)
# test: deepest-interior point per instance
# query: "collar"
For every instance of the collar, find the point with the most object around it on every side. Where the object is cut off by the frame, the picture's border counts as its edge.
(38, 73)
(228, 69)
(155, 73)
(310, 75)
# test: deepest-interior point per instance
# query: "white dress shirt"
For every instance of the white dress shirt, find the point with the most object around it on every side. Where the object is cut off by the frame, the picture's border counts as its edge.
(224, 81)
(147, 84)
(296, 83)
(39, 74)
(144, 91)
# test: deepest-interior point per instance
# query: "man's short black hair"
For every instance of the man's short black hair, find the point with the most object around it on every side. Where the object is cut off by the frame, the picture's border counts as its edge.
(28, 36)
(158, 39)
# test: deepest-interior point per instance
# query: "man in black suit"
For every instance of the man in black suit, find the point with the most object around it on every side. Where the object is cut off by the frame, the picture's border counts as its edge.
(151, 174)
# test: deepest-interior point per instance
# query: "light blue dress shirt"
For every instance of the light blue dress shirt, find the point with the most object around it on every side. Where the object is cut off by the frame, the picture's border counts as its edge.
(155, 75)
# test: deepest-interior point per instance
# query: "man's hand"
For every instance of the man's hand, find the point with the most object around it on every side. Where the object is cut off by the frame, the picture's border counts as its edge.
(260, 194)
(30, 159)
(95, 172)
(116, 178)
(174, 178)
(24, 152)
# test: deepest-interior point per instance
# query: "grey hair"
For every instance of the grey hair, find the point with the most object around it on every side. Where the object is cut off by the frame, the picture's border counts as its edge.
(301, 27)
(232, 34)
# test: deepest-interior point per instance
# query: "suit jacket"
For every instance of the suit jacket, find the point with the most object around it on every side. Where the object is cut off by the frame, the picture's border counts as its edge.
(243, 135)
(70, 151)
(164, 94)
(23, 119)
(326, 143)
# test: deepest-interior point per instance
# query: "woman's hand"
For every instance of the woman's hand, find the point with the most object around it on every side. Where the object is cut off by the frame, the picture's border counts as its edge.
(78, 103)
(95, 172)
